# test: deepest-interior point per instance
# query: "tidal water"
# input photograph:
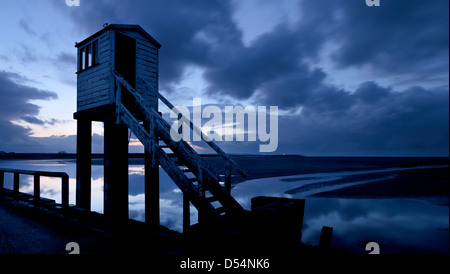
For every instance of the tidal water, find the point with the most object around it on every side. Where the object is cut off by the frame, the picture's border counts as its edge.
(398, 225)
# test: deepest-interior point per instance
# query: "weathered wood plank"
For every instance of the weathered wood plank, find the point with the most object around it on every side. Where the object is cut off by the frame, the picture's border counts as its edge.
(142, 53)
(145, 69)
(148, 51)
(92, 98)
(93, 88)
(92, 105)
(96, 71)
(88, 85)
(149, 73)
(143, 66)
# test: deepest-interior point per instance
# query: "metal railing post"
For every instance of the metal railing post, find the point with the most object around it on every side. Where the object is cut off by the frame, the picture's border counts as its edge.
(37, 187)
(2, 179)
(37, 183)
(16, 182)
(65, 191)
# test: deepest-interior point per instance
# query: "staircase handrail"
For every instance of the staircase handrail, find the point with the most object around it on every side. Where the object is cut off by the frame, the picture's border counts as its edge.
(194, 128)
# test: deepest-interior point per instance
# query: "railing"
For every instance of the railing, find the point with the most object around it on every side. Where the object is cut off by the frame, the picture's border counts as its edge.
(37, 182)
(229, 162)
(154, 129)
(198, 131)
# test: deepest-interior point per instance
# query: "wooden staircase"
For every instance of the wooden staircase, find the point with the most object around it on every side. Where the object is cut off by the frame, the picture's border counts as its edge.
(208, 191)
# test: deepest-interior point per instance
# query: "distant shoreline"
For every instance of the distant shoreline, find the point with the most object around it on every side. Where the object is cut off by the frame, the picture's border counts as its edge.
(264, 166)
(45, 156)
(405, 183)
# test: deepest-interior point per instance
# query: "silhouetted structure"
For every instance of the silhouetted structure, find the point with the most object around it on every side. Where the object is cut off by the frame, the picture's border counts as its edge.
(118, 85)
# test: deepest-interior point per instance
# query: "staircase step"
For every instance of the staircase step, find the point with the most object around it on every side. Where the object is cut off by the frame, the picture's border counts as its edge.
(192, 180)
(180, 163)
(211, 199)
(220, 210)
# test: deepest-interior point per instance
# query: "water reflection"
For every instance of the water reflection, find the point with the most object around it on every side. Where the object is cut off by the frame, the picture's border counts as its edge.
(171, 199)
(398, 225)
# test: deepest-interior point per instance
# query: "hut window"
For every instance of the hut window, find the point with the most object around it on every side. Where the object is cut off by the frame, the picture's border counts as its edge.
(82, 58)
(88, 55)
(94, 52)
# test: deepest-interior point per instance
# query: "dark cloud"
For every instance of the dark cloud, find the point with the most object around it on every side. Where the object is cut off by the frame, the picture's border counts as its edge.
(54, 144)
(67, 59)
(188, 30)
(408, 39)
(11, 133)
(397, 37)
(37, 121)
(292, 89)
(239, 71)
(370, 92)
(371, 121)
(26, 27)
(15, 97)
(393, 38)
(33, 120)
(15, 104)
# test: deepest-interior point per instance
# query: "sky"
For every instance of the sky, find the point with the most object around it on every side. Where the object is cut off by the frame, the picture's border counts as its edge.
(348, 79)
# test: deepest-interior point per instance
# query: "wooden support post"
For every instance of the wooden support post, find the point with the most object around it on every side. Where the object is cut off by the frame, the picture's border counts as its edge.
(115, 170)
(37, 187)
(325, 237)
(202, 184)
(84, 154)
(228, 179)
(65, 191)
(2, 180)
(16, 183)
(180, 124)
(151, 165)
(186, 213)
(118, 99)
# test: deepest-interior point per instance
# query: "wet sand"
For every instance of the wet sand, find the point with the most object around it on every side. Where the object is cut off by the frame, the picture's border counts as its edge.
(429, 182)
(282, 165)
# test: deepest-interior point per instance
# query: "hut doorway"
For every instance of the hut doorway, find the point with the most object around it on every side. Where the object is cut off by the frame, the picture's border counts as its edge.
(125, 58)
